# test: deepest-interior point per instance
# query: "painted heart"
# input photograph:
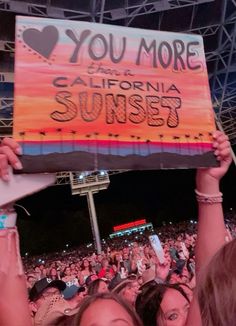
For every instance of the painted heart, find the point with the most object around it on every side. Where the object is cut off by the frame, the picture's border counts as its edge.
(42, 42)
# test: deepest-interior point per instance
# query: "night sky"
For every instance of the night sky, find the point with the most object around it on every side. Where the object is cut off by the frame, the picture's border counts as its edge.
(58, 218)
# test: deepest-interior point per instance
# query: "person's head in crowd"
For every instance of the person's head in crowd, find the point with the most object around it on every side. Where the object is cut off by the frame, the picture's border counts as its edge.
(78, 265)
(53, 274)
(97, 286)
(105, 263)
(108, 275)
(174, 277)
(43, 289)
(74, 270)
(93, 261)
(140, 280)
(41, 267)
(105, 309)
(116, 258)
(162, 305)
(125, 256)
(217, 288)
(146, 250)
(86, 265)
(90, 279)
(168, 257)
(125, 250)
(166, 247)
(108, 251)
(72, 266)
(128, 290)
(171, 242)
(37, 270)
(31, 279)
(185, 276)
(66, 272)
(188, 243)
(99, 258)
(56, 311)
(135, 248)
(74, 294)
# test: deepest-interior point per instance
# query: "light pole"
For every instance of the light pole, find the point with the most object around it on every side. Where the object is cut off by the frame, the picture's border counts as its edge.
(83, 183)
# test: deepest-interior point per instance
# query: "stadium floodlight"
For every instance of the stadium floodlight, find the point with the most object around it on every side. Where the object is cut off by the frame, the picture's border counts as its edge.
(81, 176)
(81, 183)
(87, 184)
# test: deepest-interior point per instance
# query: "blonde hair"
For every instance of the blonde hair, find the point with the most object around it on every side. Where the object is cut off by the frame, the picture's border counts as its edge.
(107, 296)
(217, 288)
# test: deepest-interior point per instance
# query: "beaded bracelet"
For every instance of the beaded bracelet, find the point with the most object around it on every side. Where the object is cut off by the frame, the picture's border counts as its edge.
(209, 198)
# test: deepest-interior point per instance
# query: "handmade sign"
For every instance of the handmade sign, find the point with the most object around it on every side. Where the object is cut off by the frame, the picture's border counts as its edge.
(92, 96)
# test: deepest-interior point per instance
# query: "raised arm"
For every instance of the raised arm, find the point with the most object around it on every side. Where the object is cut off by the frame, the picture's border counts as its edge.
(14, 310)
(211, 227)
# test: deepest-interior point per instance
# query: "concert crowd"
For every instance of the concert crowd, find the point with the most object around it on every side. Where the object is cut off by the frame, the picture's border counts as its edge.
(192, 284)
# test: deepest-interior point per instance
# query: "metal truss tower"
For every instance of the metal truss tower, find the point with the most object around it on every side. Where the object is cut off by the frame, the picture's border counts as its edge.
(88, 185)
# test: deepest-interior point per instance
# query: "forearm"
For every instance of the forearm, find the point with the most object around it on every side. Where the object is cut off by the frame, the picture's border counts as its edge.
(211, 227)
(194, 315)
(14, 310)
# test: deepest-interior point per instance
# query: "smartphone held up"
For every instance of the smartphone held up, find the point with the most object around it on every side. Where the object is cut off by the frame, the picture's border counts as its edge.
(157, 247)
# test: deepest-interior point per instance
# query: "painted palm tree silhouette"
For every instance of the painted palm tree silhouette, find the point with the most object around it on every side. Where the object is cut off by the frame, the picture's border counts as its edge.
(96, 141)
(197, 144)
(148, 141)
(110, 135)
(88, 143)
(138, 144)
(161, 138)
(117, 143)
(187, 136)
(96, 151)
(133, 144)
(177, 139)
(42, 134)
(22, 135)
(59, 130)
(201, 142)
(73, 132)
